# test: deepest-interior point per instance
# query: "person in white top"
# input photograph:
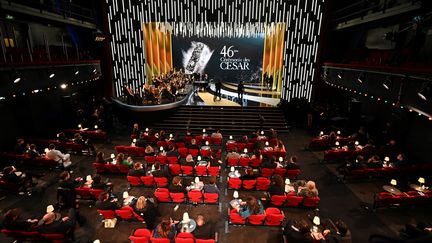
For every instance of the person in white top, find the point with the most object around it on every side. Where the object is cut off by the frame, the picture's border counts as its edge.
(57, 156)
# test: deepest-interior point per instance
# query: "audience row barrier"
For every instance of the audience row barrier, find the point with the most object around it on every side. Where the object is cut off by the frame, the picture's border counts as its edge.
(271, 217)
(90, 134)
(125, 213)
(33, 236)
(70, 147)
(111, 168)
(163, 195)
(292, 200)
(29, 161)
(186, 170)
(261, 184)
(326, 143)
(388, 171)
(146, 236)
(344, 155)
(411, 198)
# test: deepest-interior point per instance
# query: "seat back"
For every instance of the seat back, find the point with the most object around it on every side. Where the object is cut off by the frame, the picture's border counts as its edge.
(235, 218)
(280, 171)
(134, 180)
(139, 239)
(125, 213)
(172, 160)
(112, 168)
(277, 200)
(55, 238)
(274, 217)
(293, 174)
(142, 232)
(205, 153)
(249, 184)
(195, 196)
(293, 200)
(100, 168)
(184, 240)
(205, 241)
(234, 183)
(211, 197)
(183, 152)
(147, 180)
(262, 183)
(232, 162)
(162, 195)
(123, 169)
(175, 169)
(201, 170)
(150, 159)
(255, 162)
(213, 170)
(267, 172)
(83, 192)
(256, 219)
(107, 214)
(244, 161)
(193, 152)
(161, 181)
(95, 193)
(159, 240)
(162, 144)
(177, 197)
(311, 202)
(162, 159)
(216, 141)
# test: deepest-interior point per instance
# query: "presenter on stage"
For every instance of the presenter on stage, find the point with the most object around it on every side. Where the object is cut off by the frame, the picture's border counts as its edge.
(218, 87)
(240, 89)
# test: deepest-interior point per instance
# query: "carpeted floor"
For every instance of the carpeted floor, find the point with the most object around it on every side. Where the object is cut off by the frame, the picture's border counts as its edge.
(338, 201)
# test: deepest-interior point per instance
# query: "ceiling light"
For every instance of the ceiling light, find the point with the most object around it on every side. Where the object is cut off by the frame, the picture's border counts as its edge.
(16, 77)
(52, 74)
(63, 86)
(425, 92)
(361, 78)
(340, 75)
(388, 83)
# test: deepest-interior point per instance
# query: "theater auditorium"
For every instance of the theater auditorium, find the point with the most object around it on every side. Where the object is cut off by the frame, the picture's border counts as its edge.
(204, 121)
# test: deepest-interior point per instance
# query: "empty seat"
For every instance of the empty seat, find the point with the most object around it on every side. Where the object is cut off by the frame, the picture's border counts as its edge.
(274, 217)
(234, 183)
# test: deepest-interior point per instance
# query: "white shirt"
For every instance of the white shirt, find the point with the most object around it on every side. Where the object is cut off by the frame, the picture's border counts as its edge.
(55, 155)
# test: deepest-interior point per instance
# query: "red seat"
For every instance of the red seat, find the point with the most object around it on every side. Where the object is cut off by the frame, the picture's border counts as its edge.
(126, 213)
(244, 161)
(277, 200)
(241, 146)
(175, 169)
(232, 162)
(183, 152)
(255, 162)
(112, 168)
(139, 239)
(162, 144)
(140, 151)
(249, 184)
(235, 218)
(161, 181)
(177, 197)
(187, 170)
(162, 195)
(230, 147)
(205, 152)
(185, 237)
(83, 192)
(21, 236)
(96, 193)
(131, 151)
(211, 197)
(256, 219)
(198, 139)
(216, 141)
(234, 183)
(120, 149)
(293, 174)
(172, 160)
(262, 183)
(194, 152)
(107, 214)
(142, 232)
(55, 238)
(123, 169)
(100, 168)
(134, 180)
(180, 145)
(195, 196)
(162, 159)
(293, 200)
(147, 180)
(205, 241)
(280, 171)
(266, 172)
(201, 170)
(150, 159)
(213, 170)
(311, 202)
(160, 240)
(274, 217)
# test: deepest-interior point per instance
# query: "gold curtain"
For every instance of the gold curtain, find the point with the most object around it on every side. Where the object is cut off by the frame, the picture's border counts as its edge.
(158, 49)
(273, 54)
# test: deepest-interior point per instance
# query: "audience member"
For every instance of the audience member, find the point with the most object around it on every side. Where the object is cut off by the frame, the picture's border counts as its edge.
(292, 164)
(172, 152)
(12, 221)
(20, 147)
(32, 152)
(137, 170)
(57, 156)
(216, 135)
(192, 144)
(189, 161)
(105, 203)
(211, 187)
(309, 191)
(400, 161)
(277, 186)
(342, 235)
(374, 162)
(204, 230)
(100, 158)
(98, 184)
(252, 206)
(51, 223)
(159, 171)
(146, 210)
(298, 231)
(249, 175)
(176, 185)
(136, 132)
(166, 229)
(149, 151)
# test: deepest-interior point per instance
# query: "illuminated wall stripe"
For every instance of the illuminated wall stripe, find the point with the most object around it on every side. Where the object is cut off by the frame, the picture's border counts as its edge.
(303, 18)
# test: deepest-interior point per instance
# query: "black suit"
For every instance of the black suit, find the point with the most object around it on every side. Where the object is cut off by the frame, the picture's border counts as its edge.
(292, 166)
(137, 173)
(275, 190)
(107, 205)
(159, 173)
(173, 188)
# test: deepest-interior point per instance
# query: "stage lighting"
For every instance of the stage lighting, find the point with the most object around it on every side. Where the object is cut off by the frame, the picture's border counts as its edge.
(340, 75)
(51, 75)
(63, 86)
(425, 92)
(76, 71)
(16, 77)
(393, 182)
(388, 83)
(361, 78)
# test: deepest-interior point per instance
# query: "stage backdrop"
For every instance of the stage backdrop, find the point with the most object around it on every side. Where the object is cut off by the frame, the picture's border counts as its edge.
(230, 59)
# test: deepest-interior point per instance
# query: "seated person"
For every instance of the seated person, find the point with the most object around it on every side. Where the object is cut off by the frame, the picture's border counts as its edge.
(52, 224)
(149, 151)
(105, 203)
(137, 170)
(120, 160)
(78, 139)
(13, 221)
(214, 162)
(280, 146)
(292, 164)
(32, 152)
(140, 143)
(61, 137)
(273, 134)
(176, 185)
(277, 186)
(57, 156)
(100, 158)
(20, 147)
(298, 231)
(420, 231)
(166, 229)
(67, 182)
(204, 230)
(342, 234)
(400, 161)
(98, 184)
(136, 132)
(193, 144)
(269, 162)
(359, 163)
(211, 187)
(146, 210)
(374, 162)
(12, 175)
(252, 206)
(244, 139)
(161, 135)
(159, 171)
(309, 191)
(189, 161)
(216, 134)
(232, 155)
(249, 175)
(172, 152)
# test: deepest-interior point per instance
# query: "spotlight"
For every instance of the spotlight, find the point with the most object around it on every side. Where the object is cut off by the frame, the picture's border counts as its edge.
(340, 75)
(16, 77)
(63, 86)
(52, 74)
(361, 78)
(425, 92)
(388, 83)
(76, 71)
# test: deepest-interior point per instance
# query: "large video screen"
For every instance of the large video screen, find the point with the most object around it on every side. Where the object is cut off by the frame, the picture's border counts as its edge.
(228, 59)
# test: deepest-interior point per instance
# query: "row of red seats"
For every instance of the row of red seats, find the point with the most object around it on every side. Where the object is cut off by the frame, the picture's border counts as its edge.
(33, 236)
(149, 181)
(388, 171)
(29, 161)
(63, 146)
(96, 134)
(271, 217)
(343, 155)
(261, 183)
(199, 140)
(126, 213)
(8, 186)
(292, 200)
(145, 236)
(111, 168)
(163, 195)
(87, 193)
(187, 170)
(324, 143)
(240, 146)
(140, 152)
(385, 199)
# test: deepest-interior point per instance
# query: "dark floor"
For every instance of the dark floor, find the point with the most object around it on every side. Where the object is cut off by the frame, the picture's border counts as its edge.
(338, 201)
